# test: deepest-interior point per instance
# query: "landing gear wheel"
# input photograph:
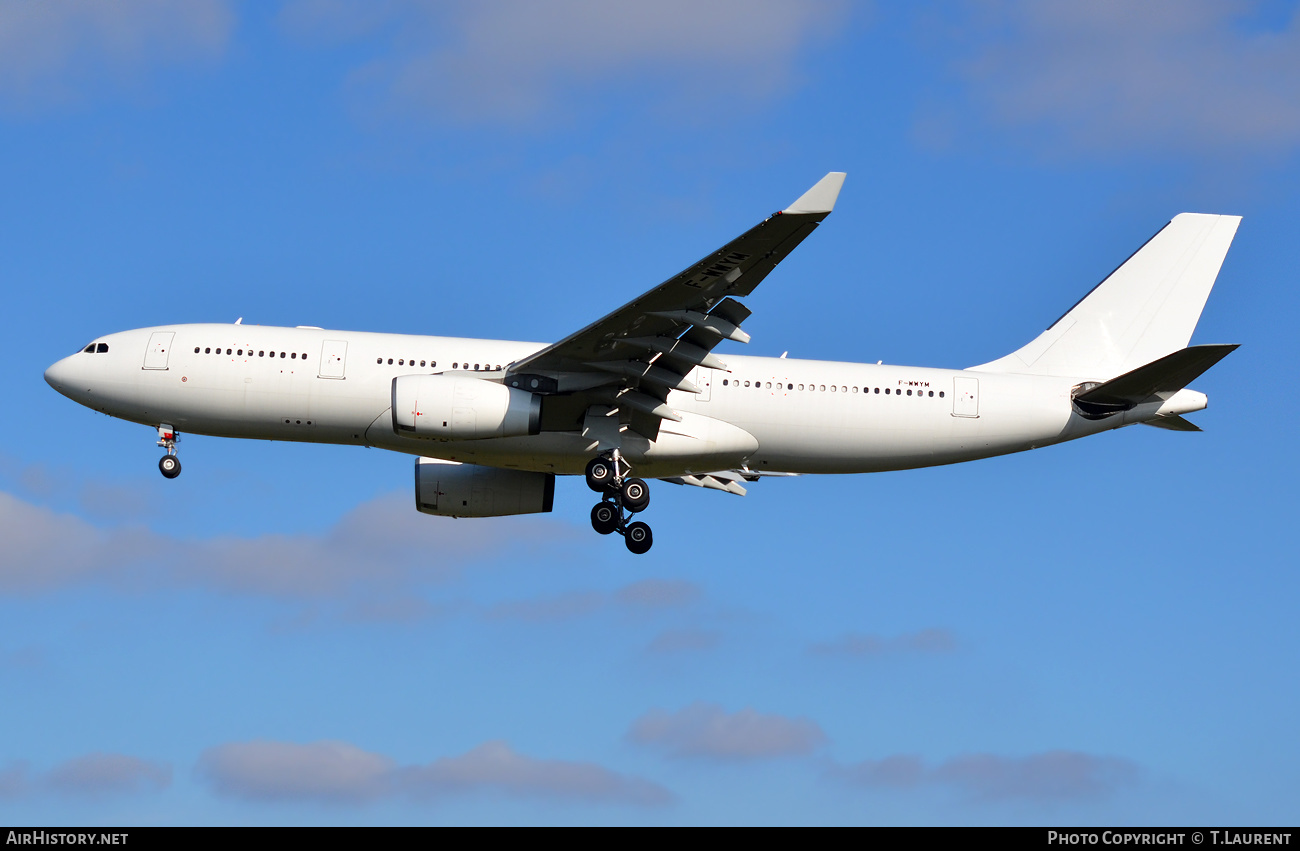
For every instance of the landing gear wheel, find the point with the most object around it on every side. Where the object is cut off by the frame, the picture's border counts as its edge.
(600, 474)
(638, 538)
(605, 517)
(170, 466)
(636, 495)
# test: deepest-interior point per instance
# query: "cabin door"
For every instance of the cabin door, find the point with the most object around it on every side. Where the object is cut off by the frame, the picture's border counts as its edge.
(333, 358)
(965, 397)
(160, 344)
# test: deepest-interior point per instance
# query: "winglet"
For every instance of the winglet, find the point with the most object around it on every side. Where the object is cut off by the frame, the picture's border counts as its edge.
(821, 198)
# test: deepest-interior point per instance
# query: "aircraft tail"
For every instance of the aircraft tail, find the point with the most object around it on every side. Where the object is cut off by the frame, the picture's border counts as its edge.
(1157, 381)
(1144, 310)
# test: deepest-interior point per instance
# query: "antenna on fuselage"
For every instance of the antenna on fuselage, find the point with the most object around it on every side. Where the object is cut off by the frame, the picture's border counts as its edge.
(239, 321)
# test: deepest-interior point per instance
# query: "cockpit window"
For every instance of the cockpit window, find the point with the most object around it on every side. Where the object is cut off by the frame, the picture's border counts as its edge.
(90, 350)
(100, 348)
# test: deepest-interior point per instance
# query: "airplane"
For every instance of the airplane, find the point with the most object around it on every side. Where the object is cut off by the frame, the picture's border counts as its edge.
(641, 393)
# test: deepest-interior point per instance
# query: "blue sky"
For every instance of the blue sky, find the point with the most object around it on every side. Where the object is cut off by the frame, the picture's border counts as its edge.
(1100, 632)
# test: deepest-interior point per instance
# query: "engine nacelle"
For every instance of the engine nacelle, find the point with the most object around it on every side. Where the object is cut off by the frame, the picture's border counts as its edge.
(462, 408)
(452, 489)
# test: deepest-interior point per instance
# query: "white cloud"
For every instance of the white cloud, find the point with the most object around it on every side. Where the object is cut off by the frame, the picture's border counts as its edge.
(95, 774)
(1182, 76)
(381, 544)
(26, 657)
(14, 780)
(868, 646)
(646, 595)
(517, 60)
(684, 640)
(61, 50)
(277, 771)
(659, 593)
(1050, 776)
(44, 549)
(108, 773)
(561, 607)
(337, 772)
(495, 766)
(708, 730)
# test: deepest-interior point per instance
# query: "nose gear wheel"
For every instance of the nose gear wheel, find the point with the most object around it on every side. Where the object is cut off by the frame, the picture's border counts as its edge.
(169, 465)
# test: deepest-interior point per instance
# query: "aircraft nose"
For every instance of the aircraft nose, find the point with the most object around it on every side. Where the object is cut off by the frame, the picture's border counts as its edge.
(59, 374)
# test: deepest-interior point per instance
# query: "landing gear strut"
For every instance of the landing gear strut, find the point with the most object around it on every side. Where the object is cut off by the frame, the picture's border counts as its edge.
(169, 465)
(621, 497)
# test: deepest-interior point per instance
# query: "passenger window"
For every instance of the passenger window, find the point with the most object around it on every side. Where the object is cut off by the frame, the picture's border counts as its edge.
(401, 361)
(456, 365)
(281, 354)
(940, 394)
(208, 350)
(886, 391)
(261, 353)
(932, 393)
(293, 355)
(433, 363)
(421, 363)
(390, 361)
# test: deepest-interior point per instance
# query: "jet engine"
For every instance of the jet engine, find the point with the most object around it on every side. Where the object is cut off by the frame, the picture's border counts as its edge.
(462, 408)
(452, 489)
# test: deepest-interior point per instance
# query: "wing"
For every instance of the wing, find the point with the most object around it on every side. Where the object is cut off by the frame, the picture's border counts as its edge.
(632, 358)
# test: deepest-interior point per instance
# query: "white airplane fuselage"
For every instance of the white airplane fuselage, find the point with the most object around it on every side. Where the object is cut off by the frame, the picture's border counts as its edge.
(763, 414)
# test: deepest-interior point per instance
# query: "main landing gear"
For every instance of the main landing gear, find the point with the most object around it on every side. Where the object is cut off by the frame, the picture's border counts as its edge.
(621, 497)
(169, 465)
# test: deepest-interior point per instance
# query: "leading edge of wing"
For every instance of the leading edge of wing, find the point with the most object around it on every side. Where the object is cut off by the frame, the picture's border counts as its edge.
(675, 306)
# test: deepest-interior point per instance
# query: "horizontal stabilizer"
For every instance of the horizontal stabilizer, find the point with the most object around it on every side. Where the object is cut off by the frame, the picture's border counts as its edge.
(1166, 375)
(1173, 423)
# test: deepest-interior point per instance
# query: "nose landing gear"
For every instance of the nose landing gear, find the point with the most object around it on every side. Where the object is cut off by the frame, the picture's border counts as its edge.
(169, 465)
(621, 497)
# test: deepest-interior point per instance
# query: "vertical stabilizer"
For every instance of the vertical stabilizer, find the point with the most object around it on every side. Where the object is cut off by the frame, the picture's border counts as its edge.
(1144, 310)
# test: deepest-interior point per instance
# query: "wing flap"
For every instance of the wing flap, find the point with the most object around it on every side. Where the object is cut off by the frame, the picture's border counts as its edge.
(632, 357)
(735, 269)
(723, 480)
